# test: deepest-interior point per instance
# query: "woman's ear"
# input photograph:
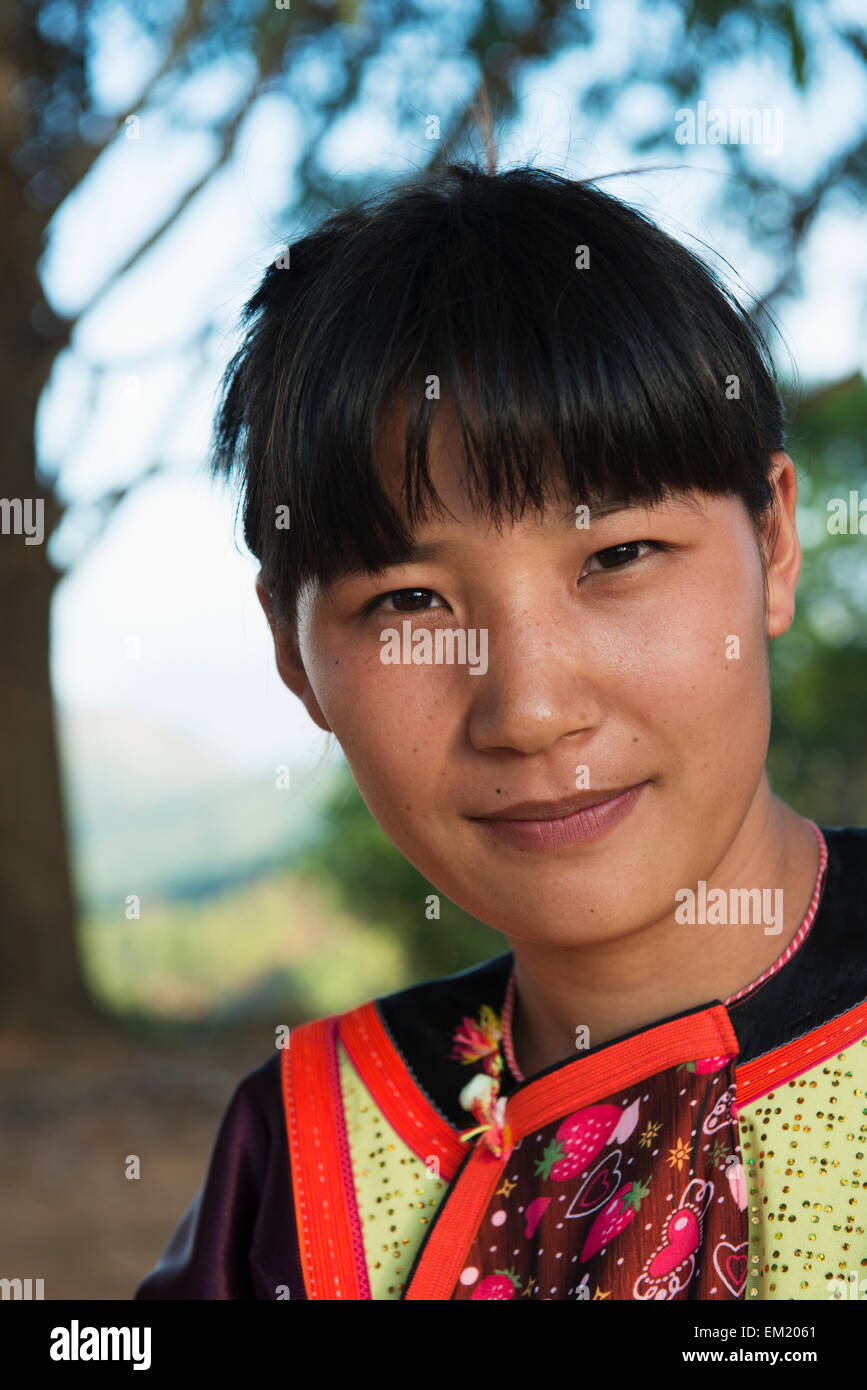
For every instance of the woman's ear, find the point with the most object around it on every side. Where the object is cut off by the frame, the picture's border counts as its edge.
(289, 661)
(783, 548)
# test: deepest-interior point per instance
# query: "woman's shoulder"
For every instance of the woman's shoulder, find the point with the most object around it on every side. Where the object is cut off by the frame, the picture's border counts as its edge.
(224, 1246)
(253, 1094)
(849, 836)
(848, 844)
(823, 978)
(842, 909)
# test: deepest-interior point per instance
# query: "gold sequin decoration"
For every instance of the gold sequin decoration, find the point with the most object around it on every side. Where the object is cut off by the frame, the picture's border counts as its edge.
(396, 1192)
(804, 1151)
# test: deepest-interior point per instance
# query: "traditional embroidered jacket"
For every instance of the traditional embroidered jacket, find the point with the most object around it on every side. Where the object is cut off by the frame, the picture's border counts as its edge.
(717, 1154)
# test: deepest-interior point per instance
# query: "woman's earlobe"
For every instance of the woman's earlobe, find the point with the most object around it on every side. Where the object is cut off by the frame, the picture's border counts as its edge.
(265, 599)
(287, 653)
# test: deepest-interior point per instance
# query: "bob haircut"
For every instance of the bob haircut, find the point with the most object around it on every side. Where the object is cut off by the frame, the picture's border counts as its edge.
(629, 365)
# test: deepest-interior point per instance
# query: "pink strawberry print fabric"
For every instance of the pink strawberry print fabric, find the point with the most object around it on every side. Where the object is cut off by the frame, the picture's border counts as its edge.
(641, 1196)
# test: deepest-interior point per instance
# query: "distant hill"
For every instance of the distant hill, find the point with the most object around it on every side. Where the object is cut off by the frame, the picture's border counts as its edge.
(151, 811)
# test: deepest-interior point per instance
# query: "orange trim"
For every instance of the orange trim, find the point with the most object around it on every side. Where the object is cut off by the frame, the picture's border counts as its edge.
(403, 1104)
(332, 1254)
(707, 1034)
(445, 1254)
(756, 1078)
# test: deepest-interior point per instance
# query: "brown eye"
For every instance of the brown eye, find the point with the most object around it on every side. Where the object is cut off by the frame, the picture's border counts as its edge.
(618, 554)
(404, 599)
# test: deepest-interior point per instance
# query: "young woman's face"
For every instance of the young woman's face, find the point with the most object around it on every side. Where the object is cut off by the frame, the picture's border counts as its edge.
(643, 666)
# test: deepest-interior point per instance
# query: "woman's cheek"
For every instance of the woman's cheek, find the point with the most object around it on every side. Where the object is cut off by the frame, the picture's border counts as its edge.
(718, 692)
(385, 717)
(703, 666)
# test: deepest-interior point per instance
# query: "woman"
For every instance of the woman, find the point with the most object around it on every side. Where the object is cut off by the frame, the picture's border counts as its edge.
(657, 1091)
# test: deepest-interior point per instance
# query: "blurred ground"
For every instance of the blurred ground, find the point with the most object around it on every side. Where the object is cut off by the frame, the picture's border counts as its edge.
(71, 1110)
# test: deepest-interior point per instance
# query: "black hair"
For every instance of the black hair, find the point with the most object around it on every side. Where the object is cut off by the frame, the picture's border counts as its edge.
(630, 364)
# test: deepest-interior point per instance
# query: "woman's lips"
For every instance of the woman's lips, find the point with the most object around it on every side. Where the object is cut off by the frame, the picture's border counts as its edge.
(588, 824)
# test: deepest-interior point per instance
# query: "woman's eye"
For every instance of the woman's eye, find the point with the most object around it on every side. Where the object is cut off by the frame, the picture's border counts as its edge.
(402, 597)
(616, 556)
(418, 600)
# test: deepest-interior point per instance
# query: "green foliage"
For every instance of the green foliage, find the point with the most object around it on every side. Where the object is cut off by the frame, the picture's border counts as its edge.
(818, 756)
(277, 949)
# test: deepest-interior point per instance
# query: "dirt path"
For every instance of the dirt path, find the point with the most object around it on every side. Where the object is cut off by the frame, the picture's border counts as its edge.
(71, 1111)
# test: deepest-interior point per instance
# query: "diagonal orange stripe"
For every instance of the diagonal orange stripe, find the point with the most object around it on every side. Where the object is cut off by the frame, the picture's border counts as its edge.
(402, 1102)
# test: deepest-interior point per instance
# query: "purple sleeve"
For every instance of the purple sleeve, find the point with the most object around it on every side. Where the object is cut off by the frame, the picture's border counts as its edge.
(238, 1238)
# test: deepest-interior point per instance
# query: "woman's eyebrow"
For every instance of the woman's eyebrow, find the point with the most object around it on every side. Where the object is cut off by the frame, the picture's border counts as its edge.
(600, 509)
(432, 550)
(422, 551)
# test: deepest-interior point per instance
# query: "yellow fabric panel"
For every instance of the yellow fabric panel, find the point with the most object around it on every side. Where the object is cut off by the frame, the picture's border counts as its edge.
(804, 1150)
(396, 1192)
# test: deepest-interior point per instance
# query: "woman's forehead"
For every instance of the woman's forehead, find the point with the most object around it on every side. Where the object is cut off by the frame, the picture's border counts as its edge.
(458, 481)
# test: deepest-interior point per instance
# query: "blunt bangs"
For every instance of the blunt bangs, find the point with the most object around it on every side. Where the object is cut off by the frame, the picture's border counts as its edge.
(627, 368)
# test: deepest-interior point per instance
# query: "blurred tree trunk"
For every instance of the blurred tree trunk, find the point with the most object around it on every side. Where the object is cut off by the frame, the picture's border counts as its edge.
(40, 976)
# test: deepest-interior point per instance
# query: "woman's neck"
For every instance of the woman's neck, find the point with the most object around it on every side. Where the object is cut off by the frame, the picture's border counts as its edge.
(612, 988)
